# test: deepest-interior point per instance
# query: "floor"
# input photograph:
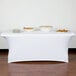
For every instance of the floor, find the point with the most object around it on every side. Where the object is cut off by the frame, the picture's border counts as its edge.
(37, 68)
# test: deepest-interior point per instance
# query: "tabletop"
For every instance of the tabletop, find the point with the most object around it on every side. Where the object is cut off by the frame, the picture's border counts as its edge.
(36, 33)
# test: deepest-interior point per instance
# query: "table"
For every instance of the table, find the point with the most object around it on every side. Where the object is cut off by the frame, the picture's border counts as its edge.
(38, 46)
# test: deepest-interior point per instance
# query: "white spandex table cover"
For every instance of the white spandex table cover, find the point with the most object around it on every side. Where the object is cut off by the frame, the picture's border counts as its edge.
(38, 46)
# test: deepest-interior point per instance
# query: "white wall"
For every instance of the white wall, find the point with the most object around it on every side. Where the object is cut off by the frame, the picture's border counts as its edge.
(19, 13)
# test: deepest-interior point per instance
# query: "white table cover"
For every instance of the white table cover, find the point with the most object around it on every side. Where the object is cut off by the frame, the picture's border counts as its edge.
(38, 46)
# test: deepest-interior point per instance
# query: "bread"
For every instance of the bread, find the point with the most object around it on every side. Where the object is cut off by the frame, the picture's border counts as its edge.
(28, 28)
(62, 30)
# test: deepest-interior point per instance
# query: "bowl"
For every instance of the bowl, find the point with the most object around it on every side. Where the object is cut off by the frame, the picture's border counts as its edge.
(16, 30)
(45, 28)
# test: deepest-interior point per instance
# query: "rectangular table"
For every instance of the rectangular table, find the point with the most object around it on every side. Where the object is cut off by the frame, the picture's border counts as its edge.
(38, 46)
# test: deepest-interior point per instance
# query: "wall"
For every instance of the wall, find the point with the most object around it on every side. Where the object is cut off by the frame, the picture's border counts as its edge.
(19, 13)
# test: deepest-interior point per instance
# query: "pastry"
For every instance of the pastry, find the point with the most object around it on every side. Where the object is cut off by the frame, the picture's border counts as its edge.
(28, 28)
(62, 30)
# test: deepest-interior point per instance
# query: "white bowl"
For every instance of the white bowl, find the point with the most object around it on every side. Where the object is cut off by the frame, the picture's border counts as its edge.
(16, 30)
(45, 28)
